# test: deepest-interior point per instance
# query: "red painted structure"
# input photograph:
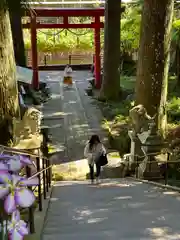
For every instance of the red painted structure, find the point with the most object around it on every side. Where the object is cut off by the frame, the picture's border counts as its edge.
(65, 13)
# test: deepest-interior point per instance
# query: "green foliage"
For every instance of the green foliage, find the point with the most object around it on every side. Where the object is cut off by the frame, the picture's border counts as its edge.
(57, 177)
(176, 31)
(128, 83)
(130, 28)
(176, 24)
(50, 40)
(53, 40)
(118, 134)
(117, 126)
(173, 103)
(173, 109)
(122, 141)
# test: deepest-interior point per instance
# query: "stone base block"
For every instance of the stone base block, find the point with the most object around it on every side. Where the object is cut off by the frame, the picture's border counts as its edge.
(148, 170)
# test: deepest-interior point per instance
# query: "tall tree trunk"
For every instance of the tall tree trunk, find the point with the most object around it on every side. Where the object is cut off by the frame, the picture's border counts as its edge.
(111, 80)
(153, 60)
(9, 106)
(15, 12)
(178, 62)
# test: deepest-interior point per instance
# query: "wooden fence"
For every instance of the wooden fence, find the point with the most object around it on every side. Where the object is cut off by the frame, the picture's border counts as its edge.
(59, 58)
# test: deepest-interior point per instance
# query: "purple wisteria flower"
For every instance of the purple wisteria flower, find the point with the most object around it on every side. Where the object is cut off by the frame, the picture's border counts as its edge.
(3, 166)
(13, 163)
(14, 190)
(17, 228)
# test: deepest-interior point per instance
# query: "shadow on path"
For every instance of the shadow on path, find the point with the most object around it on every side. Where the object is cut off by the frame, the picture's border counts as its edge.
(115, 209)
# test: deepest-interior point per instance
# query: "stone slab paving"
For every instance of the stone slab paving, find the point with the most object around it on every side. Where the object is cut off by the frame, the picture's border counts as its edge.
(71, 116)
(115, 209)
(72, 119)
(92, 111)
(75, 123)
(54, 115)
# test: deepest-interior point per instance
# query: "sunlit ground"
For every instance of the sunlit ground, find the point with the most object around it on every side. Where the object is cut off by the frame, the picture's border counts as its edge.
(115, 209)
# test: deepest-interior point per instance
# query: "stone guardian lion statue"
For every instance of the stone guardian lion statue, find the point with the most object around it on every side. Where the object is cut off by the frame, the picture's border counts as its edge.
(140, 118)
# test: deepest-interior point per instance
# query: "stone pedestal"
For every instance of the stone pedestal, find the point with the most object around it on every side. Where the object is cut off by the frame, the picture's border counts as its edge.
(135, 150)
(148, 169)
(145, 142)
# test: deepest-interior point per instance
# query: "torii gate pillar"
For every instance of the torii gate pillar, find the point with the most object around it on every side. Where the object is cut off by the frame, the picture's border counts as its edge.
(97, 59)
(34, 54)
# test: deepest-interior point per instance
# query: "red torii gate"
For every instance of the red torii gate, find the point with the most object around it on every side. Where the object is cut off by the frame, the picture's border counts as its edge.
(65, 13)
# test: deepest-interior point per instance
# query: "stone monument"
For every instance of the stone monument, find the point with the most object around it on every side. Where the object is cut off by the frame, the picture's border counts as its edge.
(145, 143)
(140, 120)
(148, 168)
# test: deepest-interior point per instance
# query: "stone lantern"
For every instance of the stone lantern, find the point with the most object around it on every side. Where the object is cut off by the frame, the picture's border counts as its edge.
(148, 168)
(138, 133)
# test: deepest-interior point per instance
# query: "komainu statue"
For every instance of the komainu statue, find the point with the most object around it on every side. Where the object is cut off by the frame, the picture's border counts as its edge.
(27, 129)
(140, 119)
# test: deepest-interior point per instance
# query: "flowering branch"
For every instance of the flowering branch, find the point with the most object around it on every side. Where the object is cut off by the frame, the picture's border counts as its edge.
(15, 193)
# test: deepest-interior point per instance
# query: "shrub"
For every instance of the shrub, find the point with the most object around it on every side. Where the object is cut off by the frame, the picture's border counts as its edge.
(173, 110)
